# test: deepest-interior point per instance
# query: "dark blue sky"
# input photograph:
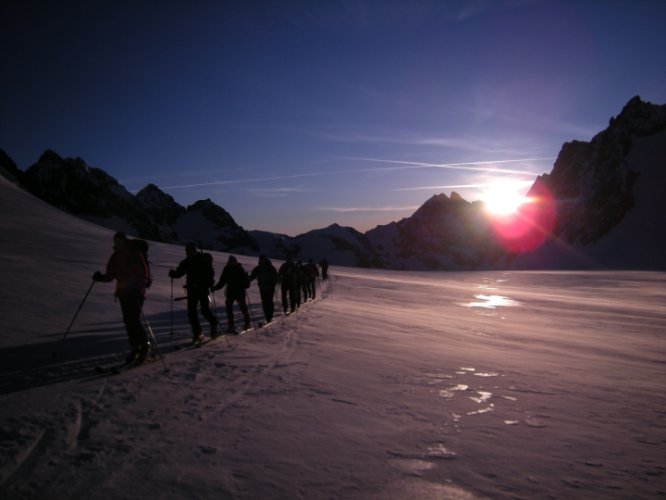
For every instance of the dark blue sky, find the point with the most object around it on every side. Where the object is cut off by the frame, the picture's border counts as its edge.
(293, 115)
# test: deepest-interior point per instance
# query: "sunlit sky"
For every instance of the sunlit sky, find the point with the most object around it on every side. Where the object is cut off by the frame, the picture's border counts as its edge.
(293, 115)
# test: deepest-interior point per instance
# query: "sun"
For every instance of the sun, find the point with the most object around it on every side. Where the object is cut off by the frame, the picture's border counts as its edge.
(502, 199)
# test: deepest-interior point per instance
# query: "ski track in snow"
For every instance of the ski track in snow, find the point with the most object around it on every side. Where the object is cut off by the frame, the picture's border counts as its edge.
(73, 430)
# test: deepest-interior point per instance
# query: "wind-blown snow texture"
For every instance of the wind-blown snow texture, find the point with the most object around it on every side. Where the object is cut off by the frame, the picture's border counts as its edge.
(393, 385)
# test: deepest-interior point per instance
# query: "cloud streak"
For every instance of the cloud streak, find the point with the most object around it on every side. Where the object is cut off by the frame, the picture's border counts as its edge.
(275, 192)
(367, 209)
(478, 166)
(457, 143)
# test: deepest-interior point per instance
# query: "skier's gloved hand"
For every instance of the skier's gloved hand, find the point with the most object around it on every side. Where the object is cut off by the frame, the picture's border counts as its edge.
(97, 276)
(172, 273)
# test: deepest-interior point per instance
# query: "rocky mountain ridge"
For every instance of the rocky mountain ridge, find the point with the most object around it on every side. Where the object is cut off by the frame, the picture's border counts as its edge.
(595, 190)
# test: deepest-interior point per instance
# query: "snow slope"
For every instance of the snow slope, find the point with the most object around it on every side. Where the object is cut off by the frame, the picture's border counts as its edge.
(393, 385)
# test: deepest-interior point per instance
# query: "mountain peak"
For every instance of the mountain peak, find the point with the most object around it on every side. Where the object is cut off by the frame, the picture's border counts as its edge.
(213, 212)
(9, 168)
(206, 204)
(159, 204)
(638, 117)
(151, 188)
(50, 157)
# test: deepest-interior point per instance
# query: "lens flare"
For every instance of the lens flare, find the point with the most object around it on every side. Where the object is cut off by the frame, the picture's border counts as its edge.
(503, 199)
(530, 225)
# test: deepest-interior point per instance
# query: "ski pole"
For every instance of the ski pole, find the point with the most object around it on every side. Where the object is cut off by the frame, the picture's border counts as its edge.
(85, 297)
(218, 321)
(274, 298)
(211, 302)
(249, 306)
(214, 304)
(152, 335)
(171, 301)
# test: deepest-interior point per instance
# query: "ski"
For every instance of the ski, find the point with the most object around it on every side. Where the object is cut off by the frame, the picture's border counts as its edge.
(217, 338)
(242, 332)
(118, 368)
(263, 324)
(204, 341)
(236, 333)
(193, 344)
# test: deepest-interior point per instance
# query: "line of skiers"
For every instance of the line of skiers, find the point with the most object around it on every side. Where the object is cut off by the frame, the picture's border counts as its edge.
(129, 266)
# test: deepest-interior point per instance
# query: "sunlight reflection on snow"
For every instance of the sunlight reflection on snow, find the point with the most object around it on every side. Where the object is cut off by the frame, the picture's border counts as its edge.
(482, 411)
(449, 393)
(440, 451)
(483, 396)
(491, 301)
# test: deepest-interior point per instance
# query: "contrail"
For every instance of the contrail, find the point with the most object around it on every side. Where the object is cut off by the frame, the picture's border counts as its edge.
(477, 185)
(473, 165)
(478, 166)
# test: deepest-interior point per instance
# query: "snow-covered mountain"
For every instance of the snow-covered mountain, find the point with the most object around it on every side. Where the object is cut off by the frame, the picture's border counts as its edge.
(609, 197)
(600, 207)
(162, 208)
(72, 185)
(204, 222)
(90, 193)
(210, 226)
(444, 233)
(602, 202)
(343, 245)
(9, 169)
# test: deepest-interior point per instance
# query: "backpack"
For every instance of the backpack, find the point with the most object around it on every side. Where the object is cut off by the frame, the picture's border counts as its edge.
(207, 271)
(141, 247)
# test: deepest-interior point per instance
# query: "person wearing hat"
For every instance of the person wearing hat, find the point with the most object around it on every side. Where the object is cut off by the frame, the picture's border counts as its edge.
(198, 267)
(237, 281)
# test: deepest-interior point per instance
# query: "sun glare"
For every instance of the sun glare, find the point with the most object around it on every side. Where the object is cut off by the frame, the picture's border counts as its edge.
(502, 199)
(527, 221)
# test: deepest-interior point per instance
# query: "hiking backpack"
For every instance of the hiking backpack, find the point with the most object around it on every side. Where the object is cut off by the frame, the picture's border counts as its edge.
(141, 246)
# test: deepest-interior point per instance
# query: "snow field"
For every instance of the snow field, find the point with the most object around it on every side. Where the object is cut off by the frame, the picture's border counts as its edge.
(394, 385)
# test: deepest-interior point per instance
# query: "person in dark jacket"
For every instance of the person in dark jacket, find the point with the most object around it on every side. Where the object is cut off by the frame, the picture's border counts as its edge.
(299, 284)
(200, 277)
(267, 278)
(323, 263)
(288, 288)
(130, 270)
(237, 281)
(310, 275)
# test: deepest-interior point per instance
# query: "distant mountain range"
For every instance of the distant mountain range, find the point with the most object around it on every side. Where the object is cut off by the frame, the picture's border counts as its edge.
(601, 206)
